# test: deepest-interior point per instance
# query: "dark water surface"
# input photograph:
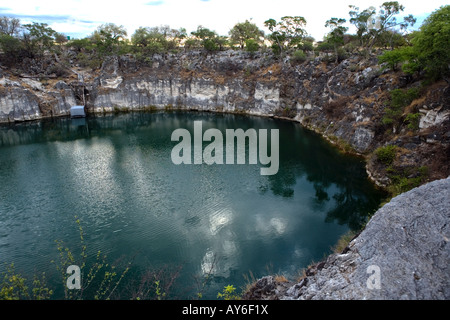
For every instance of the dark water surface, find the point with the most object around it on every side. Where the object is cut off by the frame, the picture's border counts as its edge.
(215, 222)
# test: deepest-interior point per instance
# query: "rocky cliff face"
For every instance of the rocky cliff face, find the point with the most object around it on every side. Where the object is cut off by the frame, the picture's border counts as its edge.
(403, 253)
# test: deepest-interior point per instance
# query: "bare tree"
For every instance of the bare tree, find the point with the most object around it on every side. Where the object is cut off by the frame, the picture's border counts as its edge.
(10, 26)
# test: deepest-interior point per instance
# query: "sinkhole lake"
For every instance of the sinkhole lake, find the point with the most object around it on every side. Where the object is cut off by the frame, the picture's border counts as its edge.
(198, 228)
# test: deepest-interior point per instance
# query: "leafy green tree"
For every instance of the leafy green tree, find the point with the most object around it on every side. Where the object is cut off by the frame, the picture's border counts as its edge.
(149, 40)
(60, 38)
(12, 48)
(81, 45)
(336, 35)
(209, 39)
(287, 33)
(429, 48)
(390, 38)
(108, 37)
(204, 33)
(276, 36)
(140, 37)
(400, 99)
(431, 44)
(394, 58)
(37, 38)
(241, 32)
(307, 44)
(251, 45)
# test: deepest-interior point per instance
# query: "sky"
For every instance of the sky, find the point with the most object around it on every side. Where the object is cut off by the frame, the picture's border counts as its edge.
(79, 18)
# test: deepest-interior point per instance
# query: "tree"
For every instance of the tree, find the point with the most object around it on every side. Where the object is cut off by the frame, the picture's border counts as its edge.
(140, 37)
(111, 31)
(293, 27)
(107, 38)
(251, 45)
(10, 26)
(361, 21)
(38, 38)
(393, 58)
(149, 40)
(241, 32)
(336, 36)
(289, 32)
(60, 38)
(431, 44)
(12, 48)
(276, 36)
(429, 48)
(204, 33)
(209, 39)
(371, 24)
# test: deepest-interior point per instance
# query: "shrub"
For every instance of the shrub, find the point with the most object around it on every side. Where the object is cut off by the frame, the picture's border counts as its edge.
(413, 121)
(399, 100)
(392, 58)
(15, 287)
(386, 154)
(251, 45)
(405, 179)
(228, 293)
(299, 56)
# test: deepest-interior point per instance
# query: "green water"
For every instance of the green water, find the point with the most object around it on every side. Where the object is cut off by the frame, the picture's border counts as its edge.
(212, 224)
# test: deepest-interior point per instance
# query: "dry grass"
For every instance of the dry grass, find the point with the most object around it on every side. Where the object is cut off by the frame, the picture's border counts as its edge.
(281, 278)
(344, 241)
(337, 107)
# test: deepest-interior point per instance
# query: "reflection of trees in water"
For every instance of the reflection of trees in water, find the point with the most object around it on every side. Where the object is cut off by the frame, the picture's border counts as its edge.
(334, 177)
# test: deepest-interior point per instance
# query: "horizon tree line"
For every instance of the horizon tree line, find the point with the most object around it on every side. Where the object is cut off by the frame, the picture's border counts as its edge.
(375, 27)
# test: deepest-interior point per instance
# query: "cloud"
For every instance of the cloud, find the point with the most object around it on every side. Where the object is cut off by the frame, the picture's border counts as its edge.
(39, 18)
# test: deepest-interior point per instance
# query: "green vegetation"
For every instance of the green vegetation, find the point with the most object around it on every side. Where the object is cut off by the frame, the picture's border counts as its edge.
(299, 56)
(386, 154)
(405, 179)
(423, 51)
(13, 286)
(428, 49)
(370, 30)
(228, 293)
(100, 279)
(399, 100)
(287, 33)
(246, 33)
(336, 36)
(402, 178)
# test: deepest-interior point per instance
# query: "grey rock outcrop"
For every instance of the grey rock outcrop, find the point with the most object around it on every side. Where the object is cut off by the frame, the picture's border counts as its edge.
(402, 254)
